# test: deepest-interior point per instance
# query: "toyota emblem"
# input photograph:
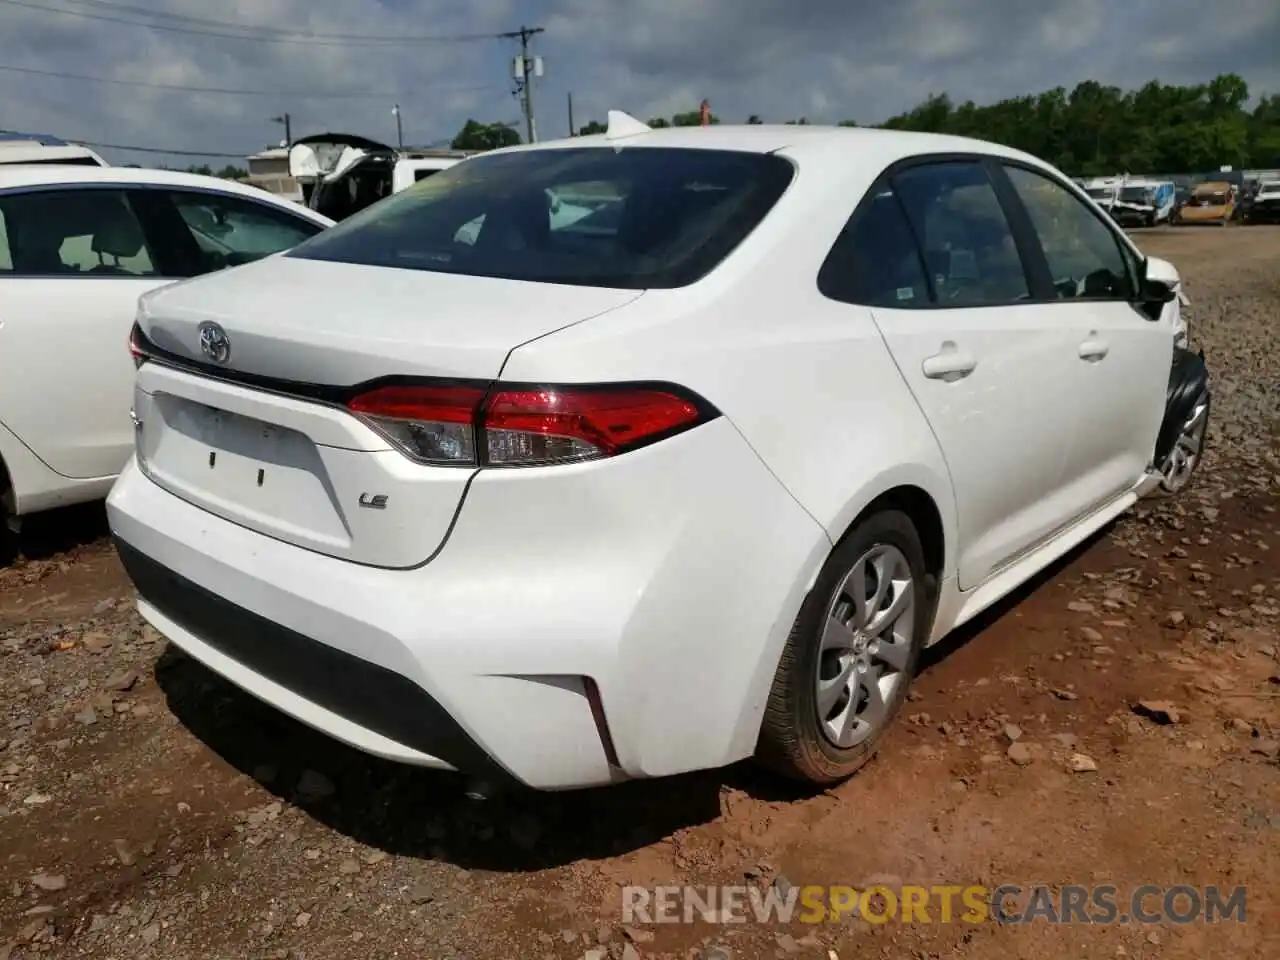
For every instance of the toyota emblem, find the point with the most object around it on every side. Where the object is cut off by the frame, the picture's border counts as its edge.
(214, 343)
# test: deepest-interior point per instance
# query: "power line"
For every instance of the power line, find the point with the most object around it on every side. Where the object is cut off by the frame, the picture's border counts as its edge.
(253, 33)
(281, 94)
(176, 153)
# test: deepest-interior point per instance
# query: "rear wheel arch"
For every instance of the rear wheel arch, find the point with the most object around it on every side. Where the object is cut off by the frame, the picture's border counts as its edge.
(921, 508)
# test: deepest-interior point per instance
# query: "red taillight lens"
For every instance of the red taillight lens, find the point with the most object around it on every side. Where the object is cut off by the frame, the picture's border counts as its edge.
(135, 346)
(523, 426)
(431, 424)
(547, 425)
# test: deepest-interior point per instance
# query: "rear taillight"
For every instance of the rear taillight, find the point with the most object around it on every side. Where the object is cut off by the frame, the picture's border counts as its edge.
(431, 424)
(136, 349)
(517, 425)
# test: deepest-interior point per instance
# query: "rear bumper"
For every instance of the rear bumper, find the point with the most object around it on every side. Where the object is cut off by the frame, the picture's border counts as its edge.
(364, 704)
(666, 580)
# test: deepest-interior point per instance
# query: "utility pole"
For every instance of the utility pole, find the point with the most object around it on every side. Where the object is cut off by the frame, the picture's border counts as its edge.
(525, 70)
(573, 131)
(288, 127)
(399, 127)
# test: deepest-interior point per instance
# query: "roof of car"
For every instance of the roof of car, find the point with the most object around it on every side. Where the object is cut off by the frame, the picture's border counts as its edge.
(39, 175)
(869, 144)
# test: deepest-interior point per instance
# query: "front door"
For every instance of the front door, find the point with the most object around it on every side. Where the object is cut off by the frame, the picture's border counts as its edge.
(1123, 356)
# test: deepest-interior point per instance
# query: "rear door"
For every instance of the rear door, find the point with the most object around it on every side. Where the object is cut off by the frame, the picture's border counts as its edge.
(990, 370)
(75, 261)
(1122, 355)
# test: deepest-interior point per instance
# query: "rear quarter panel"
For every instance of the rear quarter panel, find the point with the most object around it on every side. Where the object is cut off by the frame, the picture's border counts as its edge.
(807, 381)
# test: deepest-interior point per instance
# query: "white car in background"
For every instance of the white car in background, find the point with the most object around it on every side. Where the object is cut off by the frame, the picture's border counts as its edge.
(78, 246)
(695, 476)
(40, 148)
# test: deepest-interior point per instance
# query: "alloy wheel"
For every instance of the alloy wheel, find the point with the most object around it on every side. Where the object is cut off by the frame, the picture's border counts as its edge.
(1182, 460)
(866, 646)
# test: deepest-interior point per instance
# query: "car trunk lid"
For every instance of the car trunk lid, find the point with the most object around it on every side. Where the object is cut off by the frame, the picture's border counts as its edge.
(263, 439)
(319, 322)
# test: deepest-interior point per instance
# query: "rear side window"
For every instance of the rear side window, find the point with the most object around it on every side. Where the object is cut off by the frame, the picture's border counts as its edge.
(967, 243)
(632, 218)
(875, 261)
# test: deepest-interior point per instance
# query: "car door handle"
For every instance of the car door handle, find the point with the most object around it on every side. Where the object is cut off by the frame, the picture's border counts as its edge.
(949, 364)
(1094, 349)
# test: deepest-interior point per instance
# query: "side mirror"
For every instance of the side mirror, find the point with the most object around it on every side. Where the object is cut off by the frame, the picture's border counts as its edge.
(1158, 281)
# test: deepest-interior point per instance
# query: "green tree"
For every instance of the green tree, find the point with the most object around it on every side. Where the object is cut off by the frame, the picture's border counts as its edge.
(475, 135)
(595, 126)
(690, 118)
(1096, 129)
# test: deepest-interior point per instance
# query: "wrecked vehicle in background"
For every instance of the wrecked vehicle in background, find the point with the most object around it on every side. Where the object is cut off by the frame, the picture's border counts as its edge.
(1143, 203)
(1266, 203)
(342, 173)
(1211, 201)
(1103, 191)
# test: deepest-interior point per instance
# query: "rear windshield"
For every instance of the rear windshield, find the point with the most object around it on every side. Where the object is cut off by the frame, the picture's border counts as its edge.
(633, 218)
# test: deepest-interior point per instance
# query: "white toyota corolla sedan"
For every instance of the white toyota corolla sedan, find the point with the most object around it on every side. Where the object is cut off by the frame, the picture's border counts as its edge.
(693, 477)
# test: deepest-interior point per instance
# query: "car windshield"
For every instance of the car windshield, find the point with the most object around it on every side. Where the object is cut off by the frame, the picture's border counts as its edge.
(1271, 188)
(1136, 195)
(595, 216)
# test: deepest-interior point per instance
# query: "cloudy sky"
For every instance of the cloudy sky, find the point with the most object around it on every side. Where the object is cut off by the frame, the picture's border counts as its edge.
(343, 64)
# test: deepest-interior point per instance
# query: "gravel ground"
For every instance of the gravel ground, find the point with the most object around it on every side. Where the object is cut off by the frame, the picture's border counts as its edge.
(148, 810)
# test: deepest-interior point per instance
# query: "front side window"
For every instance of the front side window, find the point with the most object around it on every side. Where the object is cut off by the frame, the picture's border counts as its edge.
(968, 246)
(73, 232)
(233, 230)
(632, 218)
(1085, 257)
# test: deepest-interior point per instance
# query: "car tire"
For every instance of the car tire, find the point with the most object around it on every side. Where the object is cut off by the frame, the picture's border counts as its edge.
(1178, 468)
(8, 538)
(846, 667)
